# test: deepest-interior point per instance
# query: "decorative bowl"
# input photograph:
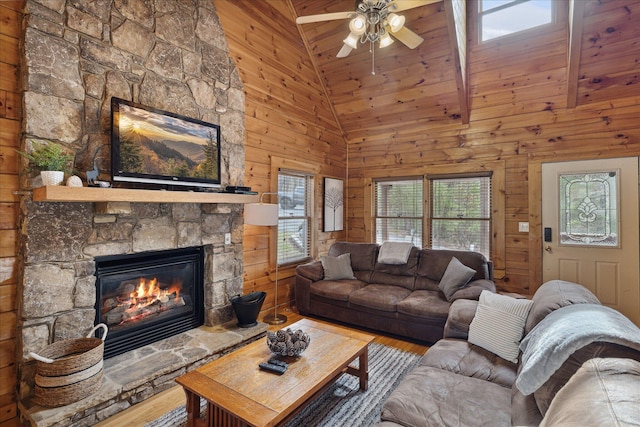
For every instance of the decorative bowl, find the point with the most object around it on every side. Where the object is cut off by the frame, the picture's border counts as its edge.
(286, 342)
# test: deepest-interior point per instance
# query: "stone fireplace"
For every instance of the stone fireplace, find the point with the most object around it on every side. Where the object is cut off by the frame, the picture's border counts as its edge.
(170, 55)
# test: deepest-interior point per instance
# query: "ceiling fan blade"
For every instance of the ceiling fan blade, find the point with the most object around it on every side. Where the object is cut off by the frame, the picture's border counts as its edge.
(324, 17)
(408, 37)
(400, 5)
(346, 50)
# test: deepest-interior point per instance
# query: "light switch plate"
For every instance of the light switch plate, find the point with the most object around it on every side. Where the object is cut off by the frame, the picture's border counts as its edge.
(523, 227)
(227, 238)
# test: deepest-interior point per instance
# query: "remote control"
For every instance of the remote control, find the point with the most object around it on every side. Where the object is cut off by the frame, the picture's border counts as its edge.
(275, 361)
(273, 368)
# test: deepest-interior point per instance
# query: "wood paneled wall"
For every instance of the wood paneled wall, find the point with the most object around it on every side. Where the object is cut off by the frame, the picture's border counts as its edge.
(519, 115)
(10, 107)
(518, 92)
(288, 116)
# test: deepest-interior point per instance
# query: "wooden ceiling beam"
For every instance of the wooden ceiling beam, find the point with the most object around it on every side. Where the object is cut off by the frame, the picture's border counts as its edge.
(456, 14)
(314, 63)
(576, 19)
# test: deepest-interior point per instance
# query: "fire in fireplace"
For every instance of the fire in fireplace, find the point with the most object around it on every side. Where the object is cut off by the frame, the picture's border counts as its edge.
(149, 296)
(136, 300)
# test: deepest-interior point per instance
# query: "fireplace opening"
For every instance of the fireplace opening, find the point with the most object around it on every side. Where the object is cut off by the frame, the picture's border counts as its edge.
(149, 296)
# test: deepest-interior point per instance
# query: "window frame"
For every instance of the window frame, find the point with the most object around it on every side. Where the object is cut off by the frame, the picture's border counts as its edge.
(308, 216)
(559, 16)
(375, 216)
(498, 199)
(429, 200)
(313, 171)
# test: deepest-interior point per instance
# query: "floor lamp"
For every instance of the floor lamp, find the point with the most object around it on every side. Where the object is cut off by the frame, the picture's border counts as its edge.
(266, 214)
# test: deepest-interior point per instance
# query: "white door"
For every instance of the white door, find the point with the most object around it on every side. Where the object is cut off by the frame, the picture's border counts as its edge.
(590, 221)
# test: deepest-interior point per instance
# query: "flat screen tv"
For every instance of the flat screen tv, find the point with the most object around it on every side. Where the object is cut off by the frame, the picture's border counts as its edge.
(152, 146)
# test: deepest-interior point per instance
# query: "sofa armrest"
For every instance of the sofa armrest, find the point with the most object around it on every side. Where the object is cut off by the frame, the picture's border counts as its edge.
(306, 274)
(461, 313)
(474, 289)
(312, 270)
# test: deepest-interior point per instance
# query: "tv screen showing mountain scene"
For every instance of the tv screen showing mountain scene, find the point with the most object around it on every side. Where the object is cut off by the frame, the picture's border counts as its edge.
(150, 143)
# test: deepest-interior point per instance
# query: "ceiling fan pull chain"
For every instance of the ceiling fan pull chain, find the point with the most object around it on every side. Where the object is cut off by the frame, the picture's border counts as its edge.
(373, 58)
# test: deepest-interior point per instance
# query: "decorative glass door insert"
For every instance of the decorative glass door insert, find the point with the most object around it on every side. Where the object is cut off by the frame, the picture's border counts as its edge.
(589, 209)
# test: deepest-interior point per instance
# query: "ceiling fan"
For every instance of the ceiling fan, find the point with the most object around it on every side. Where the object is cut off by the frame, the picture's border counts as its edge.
(374, 21)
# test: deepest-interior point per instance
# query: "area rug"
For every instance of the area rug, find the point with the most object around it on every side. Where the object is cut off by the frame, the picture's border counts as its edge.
(342, 403)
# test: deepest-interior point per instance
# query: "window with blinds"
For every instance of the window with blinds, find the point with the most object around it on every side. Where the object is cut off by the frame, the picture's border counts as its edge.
(460, 213)
(294, 212)
(399, 210)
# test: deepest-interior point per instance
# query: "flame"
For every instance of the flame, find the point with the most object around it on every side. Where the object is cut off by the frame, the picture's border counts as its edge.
(148, 292)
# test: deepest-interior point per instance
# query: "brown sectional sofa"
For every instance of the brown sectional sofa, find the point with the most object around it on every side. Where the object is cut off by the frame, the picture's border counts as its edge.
(401, 299)
(457, 383)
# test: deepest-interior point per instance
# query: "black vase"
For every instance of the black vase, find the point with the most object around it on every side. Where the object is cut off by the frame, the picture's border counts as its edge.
(247, 307)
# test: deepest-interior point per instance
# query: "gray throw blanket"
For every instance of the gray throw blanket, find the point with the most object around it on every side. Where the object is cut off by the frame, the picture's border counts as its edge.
(565, 330)
(394, 252)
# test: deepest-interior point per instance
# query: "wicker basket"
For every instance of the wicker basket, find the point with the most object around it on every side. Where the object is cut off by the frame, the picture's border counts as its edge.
(69, 370)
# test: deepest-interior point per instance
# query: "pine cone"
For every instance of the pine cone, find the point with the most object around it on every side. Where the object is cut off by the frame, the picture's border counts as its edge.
(281, 334)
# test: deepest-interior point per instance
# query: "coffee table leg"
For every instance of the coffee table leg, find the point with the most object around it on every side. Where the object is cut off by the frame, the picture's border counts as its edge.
(364, 369)
(193, 408)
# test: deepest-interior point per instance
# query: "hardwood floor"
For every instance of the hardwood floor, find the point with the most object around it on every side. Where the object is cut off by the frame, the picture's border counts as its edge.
(154, 407)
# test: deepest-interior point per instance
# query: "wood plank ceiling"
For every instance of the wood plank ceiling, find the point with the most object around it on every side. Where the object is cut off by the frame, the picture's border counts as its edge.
(409, 88)
(425, 88)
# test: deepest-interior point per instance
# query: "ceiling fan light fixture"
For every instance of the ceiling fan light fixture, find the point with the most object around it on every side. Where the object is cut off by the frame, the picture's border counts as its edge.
(396, 22)
(351, 41)
(374, 21)
(358, 25)
(385, 40)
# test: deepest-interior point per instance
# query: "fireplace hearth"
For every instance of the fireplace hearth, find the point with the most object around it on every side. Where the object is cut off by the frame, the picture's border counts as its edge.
(145, 297)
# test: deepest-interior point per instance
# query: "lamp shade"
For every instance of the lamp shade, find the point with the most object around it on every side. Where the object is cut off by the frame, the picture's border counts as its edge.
(351, 41)
(396, 22)
(386, 40)
(261, 214)
(358, 25)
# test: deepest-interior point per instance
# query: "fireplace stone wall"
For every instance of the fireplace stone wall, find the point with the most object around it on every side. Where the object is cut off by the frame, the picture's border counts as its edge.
(167, 54)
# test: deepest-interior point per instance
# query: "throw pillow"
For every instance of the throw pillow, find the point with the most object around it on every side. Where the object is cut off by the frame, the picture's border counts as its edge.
(499, 324)
(455, 277)
(338, 267)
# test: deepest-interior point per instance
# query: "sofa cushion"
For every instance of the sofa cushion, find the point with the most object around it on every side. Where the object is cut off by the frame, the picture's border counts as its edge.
(455, 277)
(363, 255)
(464, 358)
(499, 323)
(524, 409)
(434, 262)
(336, 290)
(461, 313)
(432, 397)
(424, 304)
(397, 274)
(553, 295)
(379, 297)
(603, 392)
(337, 268)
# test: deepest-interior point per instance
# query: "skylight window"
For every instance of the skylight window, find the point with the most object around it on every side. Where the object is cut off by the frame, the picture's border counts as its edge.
(503, 17)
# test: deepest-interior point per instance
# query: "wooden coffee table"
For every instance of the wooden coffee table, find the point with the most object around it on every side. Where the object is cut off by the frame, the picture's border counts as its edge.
(238, 393)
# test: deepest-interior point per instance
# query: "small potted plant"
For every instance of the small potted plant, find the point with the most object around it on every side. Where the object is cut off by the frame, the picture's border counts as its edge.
(51, 160)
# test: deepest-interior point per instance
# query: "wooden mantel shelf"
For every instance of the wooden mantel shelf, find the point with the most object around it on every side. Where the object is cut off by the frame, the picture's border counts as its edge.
(62, 193)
